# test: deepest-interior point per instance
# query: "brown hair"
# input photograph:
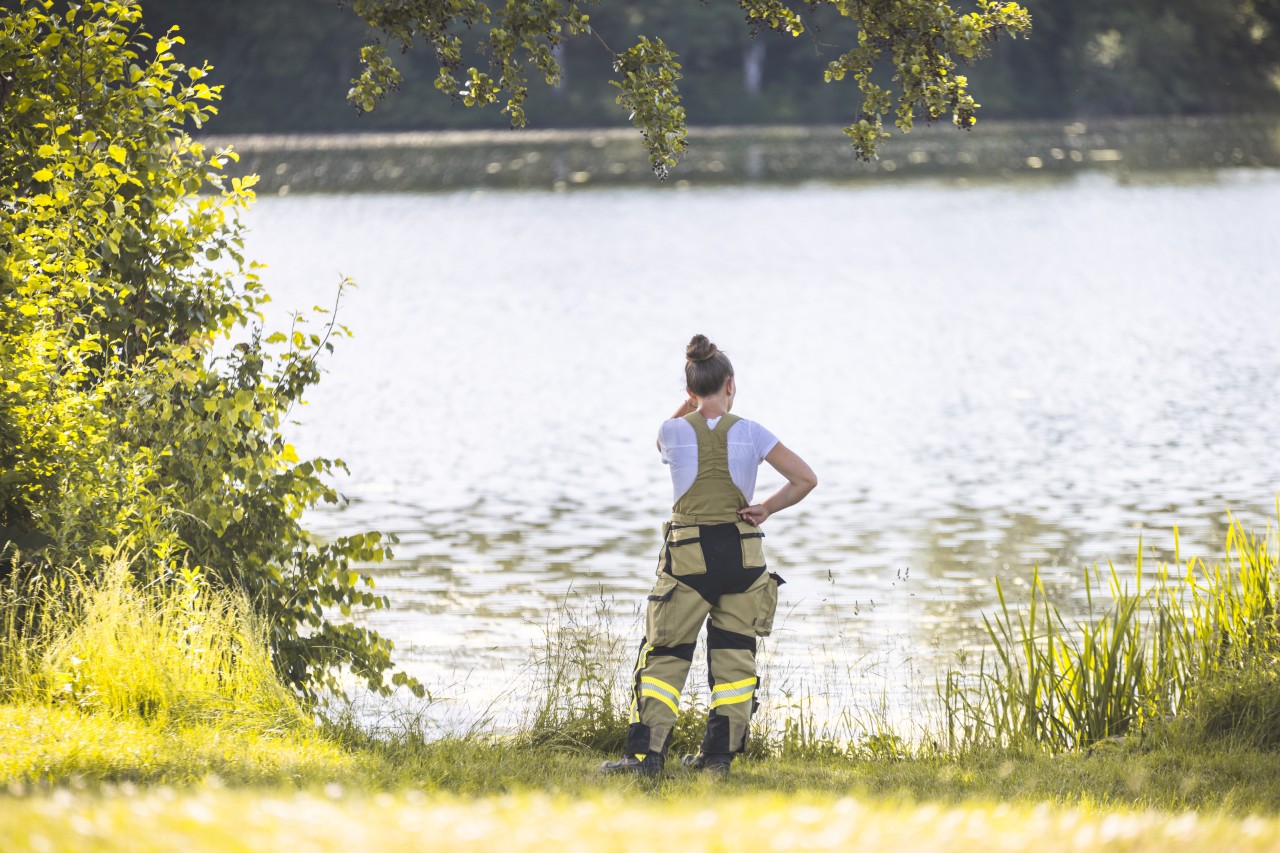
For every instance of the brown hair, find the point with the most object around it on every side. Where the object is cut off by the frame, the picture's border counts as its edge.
(706, 368)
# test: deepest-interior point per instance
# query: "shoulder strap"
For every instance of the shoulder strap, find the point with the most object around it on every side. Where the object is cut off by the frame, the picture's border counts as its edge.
(699, 423)
(713, 498)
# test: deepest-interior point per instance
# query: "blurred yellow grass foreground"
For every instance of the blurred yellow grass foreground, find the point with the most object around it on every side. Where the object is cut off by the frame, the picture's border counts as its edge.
(162, 820)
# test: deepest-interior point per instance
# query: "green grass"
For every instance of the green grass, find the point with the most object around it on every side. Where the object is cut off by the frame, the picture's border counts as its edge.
(98, 784)
(176, 649)
(42, 749)
(145, 717)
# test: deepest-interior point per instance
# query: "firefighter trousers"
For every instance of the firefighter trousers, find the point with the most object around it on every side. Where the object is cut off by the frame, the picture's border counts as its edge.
(737, 605)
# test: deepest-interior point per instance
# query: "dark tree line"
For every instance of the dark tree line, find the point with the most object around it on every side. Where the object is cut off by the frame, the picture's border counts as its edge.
(289, 63)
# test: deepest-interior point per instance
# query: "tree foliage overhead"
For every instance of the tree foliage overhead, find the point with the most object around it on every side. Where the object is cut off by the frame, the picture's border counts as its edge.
(141, 403)
(286, 63)
(923, 41)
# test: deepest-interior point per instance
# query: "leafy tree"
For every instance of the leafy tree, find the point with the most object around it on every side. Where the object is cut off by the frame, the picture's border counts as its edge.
(283, 63)
(1175, 56)
(922, 40)
(141, 403)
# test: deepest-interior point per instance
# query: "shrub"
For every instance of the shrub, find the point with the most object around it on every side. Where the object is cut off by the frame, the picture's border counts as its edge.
(141, 403)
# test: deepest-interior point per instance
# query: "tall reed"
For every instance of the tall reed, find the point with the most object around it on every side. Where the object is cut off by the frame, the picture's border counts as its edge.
(174, 650)
(1137, 654)
(579, 695)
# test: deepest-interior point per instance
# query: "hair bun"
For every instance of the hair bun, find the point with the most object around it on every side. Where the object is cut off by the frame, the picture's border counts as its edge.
(700, 349)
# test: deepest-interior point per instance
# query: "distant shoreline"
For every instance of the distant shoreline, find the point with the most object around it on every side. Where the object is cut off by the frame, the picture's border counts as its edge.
(416, 161)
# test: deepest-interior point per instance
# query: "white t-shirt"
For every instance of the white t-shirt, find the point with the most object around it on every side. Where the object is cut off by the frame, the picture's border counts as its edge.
(749, 444)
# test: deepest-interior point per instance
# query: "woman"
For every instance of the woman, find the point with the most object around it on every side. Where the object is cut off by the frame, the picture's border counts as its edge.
(711, 568)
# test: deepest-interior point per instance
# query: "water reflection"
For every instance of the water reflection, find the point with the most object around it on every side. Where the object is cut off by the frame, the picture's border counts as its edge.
(986, 380)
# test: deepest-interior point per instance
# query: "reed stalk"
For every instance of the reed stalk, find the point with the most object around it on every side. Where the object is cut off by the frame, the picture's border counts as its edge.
(175, 650)
(1138, 654)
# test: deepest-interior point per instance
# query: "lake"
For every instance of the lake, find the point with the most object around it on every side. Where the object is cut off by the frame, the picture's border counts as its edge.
(987, 376)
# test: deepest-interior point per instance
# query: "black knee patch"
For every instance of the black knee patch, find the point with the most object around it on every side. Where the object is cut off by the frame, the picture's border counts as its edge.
(718, 638)
(684, 651)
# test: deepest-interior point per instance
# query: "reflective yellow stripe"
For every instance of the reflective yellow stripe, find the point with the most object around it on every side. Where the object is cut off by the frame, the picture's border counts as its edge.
(658, 689)
(734, 685)
(733, 692)
(731, 700)
(661, 697)
(640, 664)
(653, 688)
(659, 683)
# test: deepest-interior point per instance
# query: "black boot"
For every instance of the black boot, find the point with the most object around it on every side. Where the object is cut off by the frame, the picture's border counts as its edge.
(715, 763)
(650, 765)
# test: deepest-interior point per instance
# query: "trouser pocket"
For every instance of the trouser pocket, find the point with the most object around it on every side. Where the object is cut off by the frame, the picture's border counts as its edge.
(752, 539)
(675, 613)
(656, 630)
(684, 551)
(768, 605)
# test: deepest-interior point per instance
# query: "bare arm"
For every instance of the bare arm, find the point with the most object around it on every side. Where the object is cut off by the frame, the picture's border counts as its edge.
(800, 481)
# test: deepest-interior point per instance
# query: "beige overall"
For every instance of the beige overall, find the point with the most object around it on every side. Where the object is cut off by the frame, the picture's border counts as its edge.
(711, 568)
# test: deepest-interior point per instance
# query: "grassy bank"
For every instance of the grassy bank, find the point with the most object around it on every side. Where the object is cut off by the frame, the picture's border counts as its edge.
(81, 781)
(142, 717)
(42, 750)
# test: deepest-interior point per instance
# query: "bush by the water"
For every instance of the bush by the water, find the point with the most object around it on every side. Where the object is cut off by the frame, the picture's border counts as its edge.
(141, 401)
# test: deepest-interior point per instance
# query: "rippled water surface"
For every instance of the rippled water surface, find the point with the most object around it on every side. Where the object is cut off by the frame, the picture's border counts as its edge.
(985, 378)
